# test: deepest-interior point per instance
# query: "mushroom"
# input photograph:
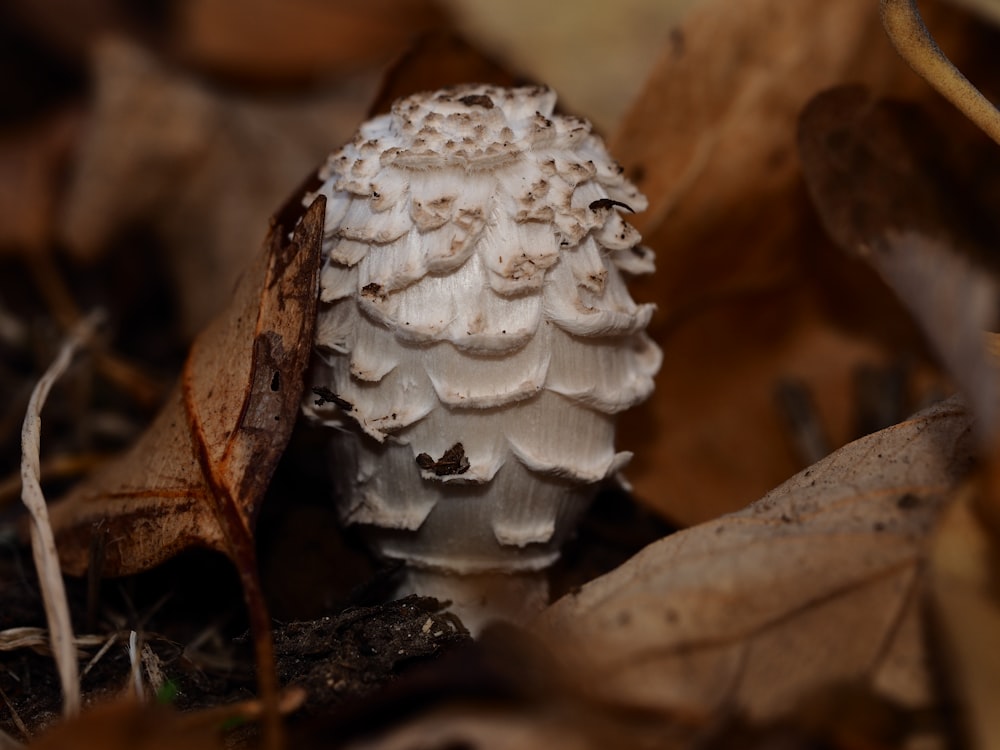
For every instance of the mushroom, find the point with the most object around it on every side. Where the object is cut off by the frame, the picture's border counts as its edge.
(476, 339)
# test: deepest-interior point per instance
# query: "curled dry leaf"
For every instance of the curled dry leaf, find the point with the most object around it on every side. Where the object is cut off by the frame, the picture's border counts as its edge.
(817, 583)
(879, 175)
(199, 473)
(201, 469)
(749, 289)
(873, 165)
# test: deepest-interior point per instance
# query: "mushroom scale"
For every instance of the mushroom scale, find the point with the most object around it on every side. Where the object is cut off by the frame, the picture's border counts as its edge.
(475, 338)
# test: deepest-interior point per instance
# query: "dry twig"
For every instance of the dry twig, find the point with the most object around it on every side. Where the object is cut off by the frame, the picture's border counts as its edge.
(42, 541)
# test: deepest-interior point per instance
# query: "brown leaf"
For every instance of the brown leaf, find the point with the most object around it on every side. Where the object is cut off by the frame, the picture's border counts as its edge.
(295, 39)
(437, 59)
(30, 166)
(127, 725)
(750, 291)
(203, 466)
(718, 115)
(881, 180)
(202, 168)
(198, 475)
(815, 584)
(876, 165)
(967, 611)
(124, 725)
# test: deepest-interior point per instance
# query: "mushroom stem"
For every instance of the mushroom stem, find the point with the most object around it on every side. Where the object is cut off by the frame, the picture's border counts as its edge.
(482, 597)
(909, 34)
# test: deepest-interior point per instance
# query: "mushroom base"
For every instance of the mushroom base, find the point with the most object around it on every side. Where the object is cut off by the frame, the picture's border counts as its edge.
(481, 598)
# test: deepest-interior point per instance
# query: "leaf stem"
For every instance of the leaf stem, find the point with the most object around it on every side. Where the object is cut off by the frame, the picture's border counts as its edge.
(909, 34)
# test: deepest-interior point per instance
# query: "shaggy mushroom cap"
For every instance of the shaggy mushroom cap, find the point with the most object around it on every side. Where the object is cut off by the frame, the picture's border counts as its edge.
(476, 337)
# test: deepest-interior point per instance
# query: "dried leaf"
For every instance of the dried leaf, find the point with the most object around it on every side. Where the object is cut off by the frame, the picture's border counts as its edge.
(437, 59)
(967, 610)
(817, 583)
(884, 188)
(879, 176)
(202, 168)
(203, 466)
(749, 290)
(125, 725)
(198, 475)
(128, 725)
(37, 639)
(295, 39)
(876, 165)
(30, 164)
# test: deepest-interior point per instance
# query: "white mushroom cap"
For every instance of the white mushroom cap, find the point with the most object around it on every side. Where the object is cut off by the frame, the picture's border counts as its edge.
(476, 337)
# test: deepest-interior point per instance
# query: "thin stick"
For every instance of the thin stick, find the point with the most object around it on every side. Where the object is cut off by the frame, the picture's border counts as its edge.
(100, 654)
(914, 42)
(43, 544)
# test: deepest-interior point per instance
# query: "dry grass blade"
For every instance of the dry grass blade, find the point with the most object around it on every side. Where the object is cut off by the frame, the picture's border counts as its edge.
(43, 545)
(135, 664)
(37, 639)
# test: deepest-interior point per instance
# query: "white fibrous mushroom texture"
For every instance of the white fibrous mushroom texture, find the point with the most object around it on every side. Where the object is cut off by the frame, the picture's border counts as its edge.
(476, 339)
